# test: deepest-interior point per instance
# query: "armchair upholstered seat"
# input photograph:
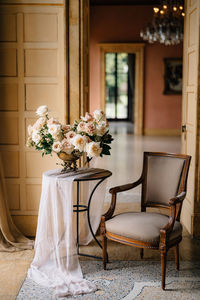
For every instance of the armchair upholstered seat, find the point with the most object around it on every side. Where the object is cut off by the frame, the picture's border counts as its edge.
(164, 182)
(141, 226)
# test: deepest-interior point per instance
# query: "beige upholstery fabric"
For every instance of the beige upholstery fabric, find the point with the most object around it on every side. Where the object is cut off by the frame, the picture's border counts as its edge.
(141, 226)
(11, 238)
(163, 176)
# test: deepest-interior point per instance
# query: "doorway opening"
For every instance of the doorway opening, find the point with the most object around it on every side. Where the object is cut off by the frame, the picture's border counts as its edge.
(120, 84)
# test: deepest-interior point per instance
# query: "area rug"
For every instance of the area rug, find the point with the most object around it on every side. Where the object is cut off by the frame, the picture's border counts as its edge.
(128, 280)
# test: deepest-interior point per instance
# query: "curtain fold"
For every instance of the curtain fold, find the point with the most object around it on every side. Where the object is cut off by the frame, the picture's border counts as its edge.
(11, 239)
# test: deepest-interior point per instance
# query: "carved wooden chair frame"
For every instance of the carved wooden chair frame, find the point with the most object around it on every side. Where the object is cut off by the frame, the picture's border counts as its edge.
(175, 205)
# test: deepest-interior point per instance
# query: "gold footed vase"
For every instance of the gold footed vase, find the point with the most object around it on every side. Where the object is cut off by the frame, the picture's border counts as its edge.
(69, 161)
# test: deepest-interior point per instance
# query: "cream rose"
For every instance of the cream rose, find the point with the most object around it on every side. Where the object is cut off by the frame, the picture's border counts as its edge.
(36, 137)
(70, 135)
(102, 128)
(99, 115)
(88, 117)
(79, 142)
(81, 127)
(93, 149)
(54, 130)
(57, 146)
(42, 111)
(52, 121)
(90, 128)
(39, 123)
(67, 146)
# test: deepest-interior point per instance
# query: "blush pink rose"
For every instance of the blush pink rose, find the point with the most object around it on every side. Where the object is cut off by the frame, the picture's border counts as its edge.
(90, 128)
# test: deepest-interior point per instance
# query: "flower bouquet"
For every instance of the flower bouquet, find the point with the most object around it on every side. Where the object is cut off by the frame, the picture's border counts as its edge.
(89, 134)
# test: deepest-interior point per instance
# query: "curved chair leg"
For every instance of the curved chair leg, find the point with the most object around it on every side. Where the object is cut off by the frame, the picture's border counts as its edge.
(141, 253)
(163, 268)
(176, 252)
(104, 250)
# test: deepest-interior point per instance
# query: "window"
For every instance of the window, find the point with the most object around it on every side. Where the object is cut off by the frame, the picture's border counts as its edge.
(119, 85)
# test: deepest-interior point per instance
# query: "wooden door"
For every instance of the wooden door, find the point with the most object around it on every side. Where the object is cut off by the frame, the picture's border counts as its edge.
(32, 73)
(190, 115)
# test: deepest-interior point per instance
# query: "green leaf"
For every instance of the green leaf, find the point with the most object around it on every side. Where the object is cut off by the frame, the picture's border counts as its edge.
(89, 159)
(105, 151)
(105, 146)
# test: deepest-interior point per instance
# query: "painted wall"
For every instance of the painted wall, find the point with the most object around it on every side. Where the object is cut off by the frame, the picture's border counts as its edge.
(123, 24)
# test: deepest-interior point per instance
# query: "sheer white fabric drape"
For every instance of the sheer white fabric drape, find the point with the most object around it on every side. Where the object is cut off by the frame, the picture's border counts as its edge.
(56, 262)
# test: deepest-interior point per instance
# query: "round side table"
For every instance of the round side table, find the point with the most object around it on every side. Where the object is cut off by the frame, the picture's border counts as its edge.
(101, 175)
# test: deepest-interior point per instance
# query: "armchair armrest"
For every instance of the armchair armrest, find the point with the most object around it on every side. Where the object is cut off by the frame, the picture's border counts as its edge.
(165, 231)
(114, 192)
(178, 199)
(125, 187)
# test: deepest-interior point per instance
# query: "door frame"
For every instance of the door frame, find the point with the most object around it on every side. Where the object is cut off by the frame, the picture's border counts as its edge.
(190, 215)
(138, 50)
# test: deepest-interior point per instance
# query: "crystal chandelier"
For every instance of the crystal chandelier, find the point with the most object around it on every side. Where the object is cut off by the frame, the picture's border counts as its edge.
(167, 24)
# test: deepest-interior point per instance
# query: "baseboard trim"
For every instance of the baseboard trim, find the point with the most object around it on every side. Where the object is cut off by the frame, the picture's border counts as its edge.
(162, 132)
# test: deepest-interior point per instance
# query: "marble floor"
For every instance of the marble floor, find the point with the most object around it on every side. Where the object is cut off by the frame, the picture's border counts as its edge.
(125, 163)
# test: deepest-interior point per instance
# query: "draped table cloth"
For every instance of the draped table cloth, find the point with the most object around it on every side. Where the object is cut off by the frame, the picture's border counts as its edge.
(56, 262)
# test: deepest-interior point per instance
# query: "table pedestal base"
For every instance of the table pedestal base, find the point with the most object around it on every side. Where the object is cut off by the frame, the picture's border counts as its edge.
(81, 208)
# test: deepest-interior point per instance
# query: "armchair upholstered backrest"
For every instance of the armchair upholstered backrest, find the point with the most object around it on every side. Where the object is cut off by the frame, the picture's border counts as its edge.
(164, 177)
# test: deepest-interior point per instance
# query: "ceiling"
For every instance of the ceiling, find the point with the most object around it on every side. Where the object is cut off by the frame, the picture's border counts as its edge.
(124, 2)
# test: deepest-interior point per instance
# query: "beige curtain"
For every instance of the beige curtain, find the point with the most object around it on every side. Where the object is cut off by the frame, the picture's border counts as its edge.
(11, 239)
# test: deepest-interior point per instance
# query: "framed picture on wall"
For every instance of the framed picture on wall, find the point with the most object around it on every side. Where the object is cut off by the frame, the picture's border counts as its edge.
(173, 76)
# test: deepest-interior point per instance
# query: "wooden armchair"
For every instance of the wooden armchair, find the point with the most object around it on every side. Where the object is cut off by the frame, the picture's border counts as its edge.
(164, 180)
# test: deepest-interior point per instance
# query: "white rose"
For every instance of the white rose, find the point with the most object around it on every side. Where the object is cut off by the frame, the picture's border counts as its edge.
(90, 128)
(57, 147)
(70, 135)
(52, 121)
(30, 130)
(81, 127)
(42, 111)
(102, 128)
(88, 117)
(36, 137)
(54, 130)
(93, 149)
(79, 142)
(39, 123)
(67, 146)
(99, 115)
